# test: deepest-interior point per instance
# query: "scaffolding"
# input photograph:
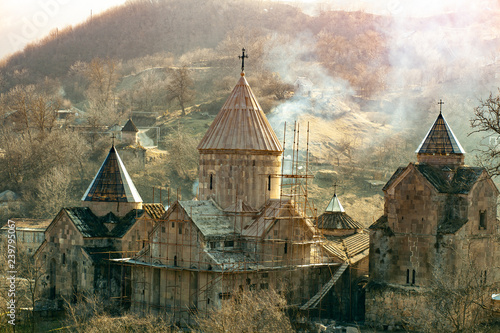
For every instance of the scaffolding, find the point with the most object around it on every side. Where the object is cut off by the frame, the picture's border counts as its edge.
(181, 274)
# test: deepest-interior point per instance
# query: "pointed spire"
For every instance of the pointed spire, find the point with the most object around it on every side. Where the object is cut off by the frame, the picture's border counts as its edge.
(112, 182)
(440, 140)
(335, 206)
(241, 125)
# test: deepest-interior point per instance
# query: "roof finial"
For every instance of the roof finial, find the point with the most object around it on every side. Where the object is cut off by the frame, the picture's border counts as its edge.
(113, 136)
(242, 57)
(335, 189)
(440, 106)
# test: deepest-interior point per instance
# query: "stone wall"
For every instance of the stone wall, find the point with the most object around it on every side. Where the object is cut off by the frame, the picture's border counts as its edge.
(239, 175)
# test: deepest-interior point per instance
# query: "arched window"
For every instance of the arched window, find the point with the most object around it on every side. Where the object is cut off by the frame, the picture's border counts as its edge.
(269, 183)
(211, 181)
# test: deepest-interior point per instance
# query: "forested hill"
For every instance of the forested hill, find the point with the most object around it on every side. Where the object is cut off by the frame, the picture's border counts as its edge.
(141, 28)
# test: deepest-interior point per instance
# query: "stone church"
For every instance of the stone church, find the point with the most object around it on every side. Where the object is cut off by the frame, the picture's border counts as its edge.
(243, 232)
(440, 220)
(80, 240)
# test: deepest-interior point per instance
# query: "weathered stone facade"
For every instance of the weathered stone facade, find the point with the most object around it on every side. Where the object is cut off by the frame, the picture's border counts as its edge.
(439, 215)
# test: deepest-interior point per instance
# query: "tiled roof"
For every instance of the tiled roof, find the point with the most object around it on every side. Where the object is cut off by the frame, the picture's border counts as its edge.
(443, 179)
(335, 217)
(461, 182)
(91, 225)
(112, 182)
(130, 127)
(241, 125)
(337, 221)
(208, 217)
(155, 210)
(335, 248)
(348, 247)
(394, 176)
(440, 140)
(381, 223)
(356, 244)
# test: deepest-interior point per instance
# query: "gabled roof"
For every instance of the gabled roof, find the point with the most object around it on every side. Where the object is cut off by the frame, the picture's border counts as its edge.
(130, 127)
(381, 223)
(440, 140)
(208, 217)
(91, 225)
(442, 178)
(348, 247)
(241, 125)
(270, 214)
(112, 182)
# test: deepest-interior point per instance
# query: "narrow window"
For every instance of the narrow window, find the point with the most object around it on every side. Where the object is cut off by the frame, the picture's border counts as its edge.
(180, 230)
(485, 277)
(211, 181)
(413, 277)
(482, 220)
(269, 183)
(286, 248)
(64, 259)
(173, 224)
(408, 276)
(175, 260)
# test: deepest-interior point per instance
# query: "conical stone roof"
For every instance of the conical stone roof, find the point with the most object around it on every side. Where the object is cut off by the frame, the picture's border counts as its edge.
(241, 125)
(335, 217)
(112, 182)
(440, 140)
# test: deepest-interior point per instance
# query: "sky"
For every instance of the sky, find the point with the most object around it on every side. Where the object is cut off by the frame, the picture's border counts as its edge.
(23, 21)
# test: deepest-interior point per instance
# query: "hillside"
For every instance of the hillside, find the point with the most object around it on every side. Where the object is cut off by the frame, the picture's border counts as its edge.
(374, 82)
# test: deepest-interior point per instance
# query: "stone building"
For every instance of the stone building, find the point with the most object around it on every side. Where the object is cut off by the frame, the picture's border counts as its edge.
(112, 223)
(243, 233)
(440, 217)
(30, 233)
(129, 133)
(347, 242)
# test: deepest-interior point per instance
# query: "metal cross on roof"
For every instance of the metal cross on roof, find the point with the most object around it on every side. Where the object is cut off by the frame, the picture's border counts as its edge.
(440, 106)
(113, 136)
(242, 57)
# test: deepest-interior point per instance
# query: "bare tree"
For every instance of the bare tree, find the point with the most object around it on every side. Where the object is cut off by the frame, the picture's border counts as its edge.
(487, 120)
(248, 311)
(33, 113)
(179, 88)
